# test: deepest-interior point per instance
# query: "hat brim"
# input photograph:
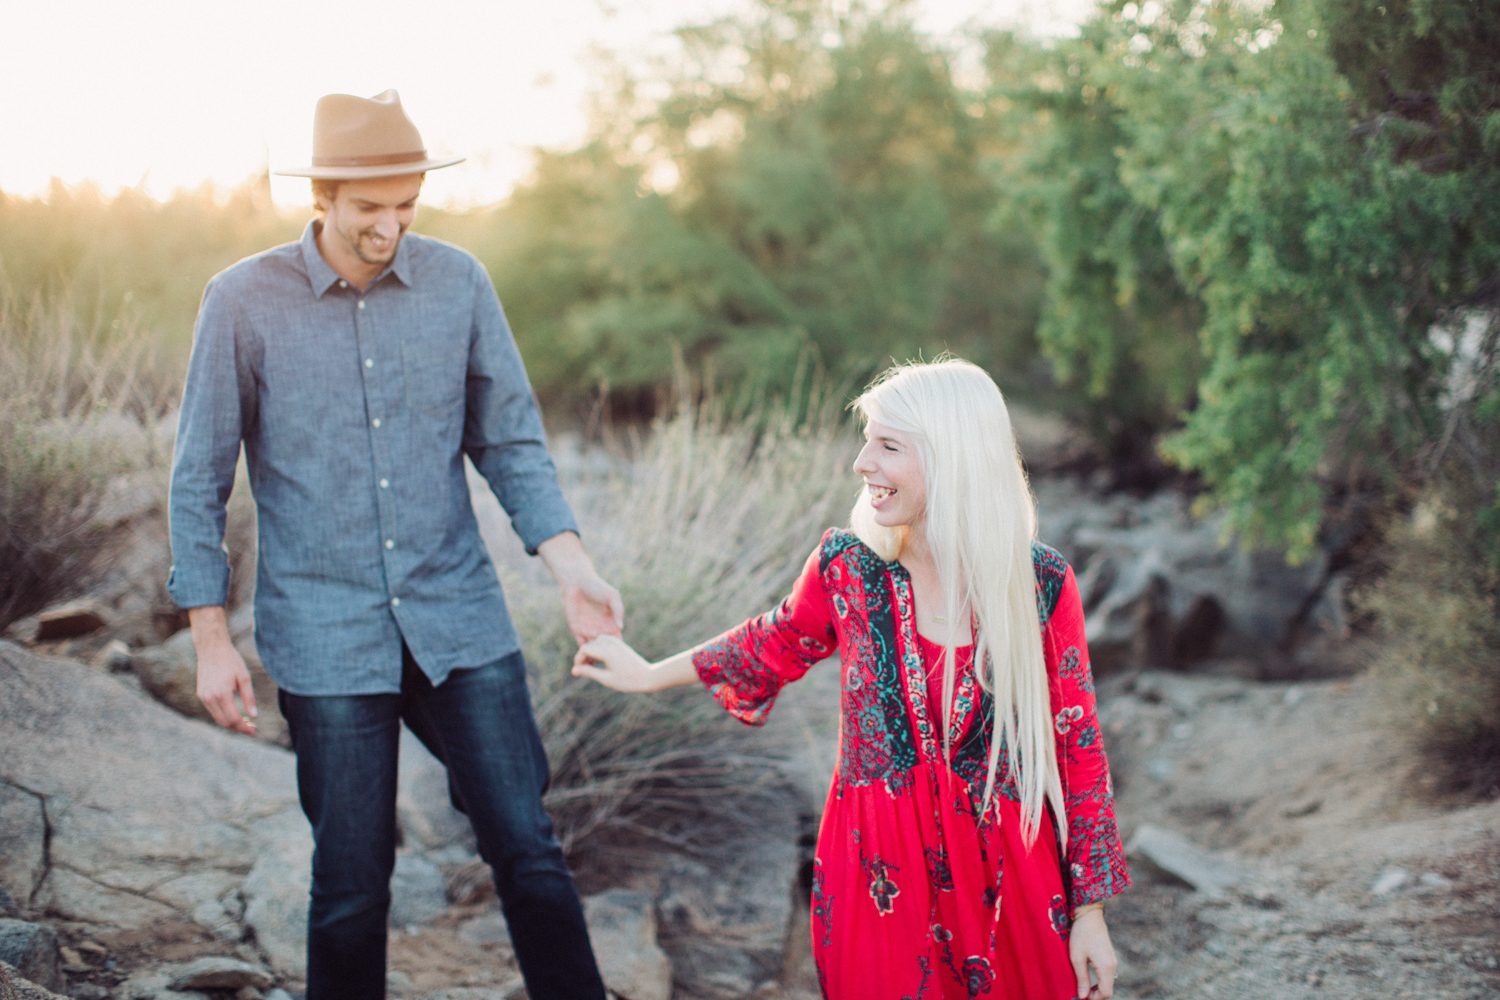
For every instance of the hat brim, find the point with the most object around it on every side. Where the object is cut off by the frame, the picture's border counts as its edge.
(363, 173)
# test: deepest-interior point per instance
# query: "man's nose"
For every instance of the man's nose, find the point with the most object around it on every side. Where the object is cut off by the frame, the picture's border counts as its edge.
(386, 225)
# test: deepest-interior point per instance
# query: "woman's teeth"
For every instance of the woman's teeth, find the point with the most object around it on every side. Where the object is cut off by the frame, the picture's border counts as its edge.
(880, 492)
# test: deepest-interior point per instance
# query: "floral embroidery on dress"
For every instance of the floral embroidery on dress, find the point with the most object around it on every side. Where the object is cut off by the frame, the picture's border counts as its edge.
(939, 873)
(1061, 921)
(822, 903)
(977, 975)
(883, 888)
(1067, 717)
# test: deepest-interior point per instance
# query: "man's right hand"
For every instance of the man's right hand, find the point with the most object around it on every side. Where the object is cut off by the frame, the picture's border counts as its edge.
(222, 673)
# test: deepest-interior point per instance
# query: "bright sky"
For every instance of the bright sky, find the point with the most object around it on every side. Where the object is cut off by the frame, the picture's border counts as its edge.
(172, 93)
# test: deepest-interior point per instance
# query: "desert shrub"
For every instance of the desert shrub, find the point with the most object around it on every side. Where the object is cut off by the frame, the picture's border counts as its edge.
(79, 401)
(706, 523)
(1439, 606)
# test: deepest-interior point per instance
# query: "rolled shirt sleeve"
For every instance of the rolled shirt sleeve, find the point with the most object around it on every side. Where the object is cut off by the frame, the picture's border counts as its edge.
(503, 434)
(216, 405)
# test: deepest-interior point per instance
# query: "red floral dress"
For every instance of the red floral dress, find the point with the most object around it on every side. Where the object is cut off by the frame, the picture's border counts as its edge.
(914, 896)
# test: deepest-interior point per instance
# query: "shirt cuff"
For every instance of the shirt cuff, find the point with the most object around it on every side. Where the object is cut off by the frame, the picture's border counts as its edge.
(205, 588)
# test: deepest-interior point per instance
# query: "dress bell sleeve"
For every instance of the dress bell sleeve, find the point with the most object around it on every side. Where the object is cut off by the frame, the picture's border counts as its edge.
(1096, 857)
(746, 667)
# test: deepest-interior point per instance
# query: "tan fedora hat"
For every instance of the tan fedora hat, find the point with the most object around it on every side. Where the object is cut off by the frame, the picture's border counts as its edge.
(357, 137)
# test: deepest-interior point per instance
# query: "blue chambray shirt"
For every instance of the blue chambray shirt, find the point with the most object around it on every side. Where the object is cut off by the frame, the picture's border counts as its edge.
(356, 411)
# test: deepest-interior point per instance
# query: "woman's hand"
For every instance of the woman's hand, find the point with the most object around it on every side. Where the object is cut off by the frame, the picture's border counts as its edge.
(610, 661)
(1089, 945)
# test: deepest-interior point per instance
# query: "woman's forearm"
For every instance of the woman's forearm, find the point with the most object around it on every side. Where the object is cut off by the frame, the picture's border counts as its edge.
(674, 671)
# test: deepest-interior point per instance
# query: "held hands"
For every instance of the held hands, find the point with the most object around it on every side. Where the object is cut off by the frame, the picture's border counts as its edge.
(610, 661)
(593, 608)
(1089, 946)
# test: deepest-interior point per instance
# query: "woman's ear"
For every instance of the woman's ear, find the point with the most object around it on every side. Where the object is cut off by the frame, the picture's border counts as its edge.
(885, 541)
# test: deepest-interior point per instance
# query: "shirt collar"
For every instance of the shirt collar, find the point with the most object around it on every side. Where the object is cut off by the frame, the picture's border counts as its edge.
(322, 277)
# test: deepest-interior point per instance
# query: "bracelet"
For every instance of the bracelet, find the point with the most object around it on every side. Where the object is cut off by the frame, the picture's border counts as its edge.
(1087, 907)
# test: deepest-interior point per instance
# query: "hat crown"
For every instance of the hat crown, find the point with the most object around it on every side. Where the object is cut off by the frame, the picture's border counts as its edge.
(349, 131)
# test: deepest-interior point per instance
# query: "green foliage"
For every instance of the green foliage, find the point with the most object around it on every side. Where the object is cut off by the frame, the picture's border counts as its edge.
(1119, 329)
(1321, 232)
(802, 182)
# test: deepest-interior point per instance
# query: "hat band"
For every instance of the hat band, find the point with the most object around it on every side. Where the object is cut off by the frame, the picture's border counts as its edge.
(369, 161)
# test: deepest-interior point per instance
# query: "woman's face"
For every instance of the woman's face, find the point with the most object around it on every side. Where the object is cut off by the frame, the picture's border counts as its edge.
(892, 473)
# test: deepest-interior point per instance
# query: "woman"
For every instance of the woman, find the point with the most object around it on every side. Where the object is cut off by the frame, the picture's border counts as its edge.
(939, 868)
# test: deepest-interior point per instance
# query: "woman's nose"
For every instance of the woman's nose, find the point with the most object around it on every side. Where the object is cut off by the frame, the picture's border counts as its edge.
(862, 464)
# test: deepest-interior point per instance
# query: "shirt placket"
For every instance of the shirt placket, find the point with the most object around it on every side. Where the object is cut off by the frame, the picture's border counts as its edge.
(377, 371)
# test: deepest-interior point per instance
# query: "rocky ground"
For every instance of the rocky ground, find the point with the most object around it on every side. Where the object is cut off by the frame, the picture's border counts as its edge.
(1283, 840)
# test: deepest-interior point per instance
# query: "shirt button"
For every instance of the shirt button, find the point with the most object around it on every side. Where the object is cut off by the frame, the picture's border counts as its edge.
(395, 602)
(361, 303)
(390, 543)
(375, 422)
(385, 484)
(343, 283)
(369, 362)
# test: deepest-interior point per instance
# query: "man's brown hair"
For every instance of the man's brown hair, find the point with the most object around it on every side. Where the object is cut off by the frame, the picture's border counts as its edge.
(324, 187)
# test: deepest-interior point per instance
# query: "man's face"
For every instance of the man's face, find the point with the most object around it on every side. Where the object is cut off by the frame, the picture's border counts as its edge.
(367, 218)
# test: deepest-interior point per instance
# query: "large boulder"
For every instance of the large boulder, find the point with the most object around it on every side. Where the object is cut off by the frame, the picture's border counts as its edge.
(151, 815)
(1163, 588)
(622, 929)
(31, 949)
(14, 986)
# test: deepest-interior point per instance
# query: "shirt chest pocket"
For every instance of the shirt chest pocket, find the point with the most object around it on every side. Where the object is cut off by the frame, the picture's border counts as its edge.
(436, 373)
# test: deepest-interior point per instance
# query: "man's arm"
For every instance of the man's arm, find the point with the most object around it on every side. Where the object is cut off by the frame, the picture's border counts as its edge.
(503, 436)
(216, 401)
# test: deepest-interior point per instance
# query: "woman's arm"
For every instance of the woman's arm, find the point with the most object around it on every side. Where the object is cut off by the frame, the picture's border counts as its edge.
(610, 661)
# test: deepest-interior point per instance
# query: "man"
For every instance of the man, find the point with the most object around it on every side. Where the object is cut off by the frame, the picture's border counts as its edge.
(359, 367)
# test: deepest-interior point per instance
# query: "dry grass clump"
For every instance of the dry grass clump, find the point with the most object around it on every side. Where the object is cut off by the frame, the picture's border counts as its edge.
(80, 398)
(707, 523)
(1439, 607)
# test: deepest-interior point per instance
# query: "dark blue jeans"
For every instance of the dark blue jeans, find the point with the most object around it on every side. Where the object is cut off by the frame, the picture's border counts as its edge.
(479, 723)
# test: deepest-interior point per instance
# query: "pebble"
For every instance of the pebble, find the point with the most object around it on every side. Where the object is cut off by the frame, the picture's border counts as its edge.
(1389, 881)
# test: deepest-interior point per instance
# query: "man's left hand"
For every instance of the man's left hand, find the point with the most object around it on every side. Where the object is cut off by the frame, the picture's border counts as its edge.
(593, 607)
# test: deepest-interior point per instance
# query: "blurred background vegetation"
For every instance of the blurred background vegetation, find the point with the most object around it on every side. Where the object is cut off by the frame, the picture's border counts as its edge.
(1250, 248)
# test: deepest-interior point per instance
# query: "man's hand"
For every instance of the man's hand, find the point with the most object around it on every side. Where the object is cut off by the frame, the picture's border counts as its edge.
(221, 672)
(1089, 945)
(592, 606)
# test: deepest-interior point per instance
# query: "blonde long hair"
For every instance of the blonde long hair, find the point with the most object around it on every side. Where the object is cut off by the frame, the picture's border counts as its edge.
(980, 521)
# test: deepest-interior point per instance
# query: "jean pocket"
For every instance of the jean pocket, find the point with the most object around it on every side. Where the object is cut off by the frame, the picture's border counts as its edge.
(436, 376)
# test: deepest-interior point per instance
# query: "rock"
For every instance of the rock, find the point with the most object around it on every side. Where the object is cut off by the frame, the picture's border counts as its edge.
(170, 673)
(276, 892)
(70, 621)
(469, 993)
(423, 801)
(151, 815)
(1207, 872)
(487, 928)
(419, 893)
(14, 986)
(218, 972)
(622, 927)
(32, 950)
(1389, 881)
(278, 994)
(399, 983)
(1162, 588)
(472, 882)
(154, 984)
(8, 906)
(724, 924)
(113, 656)
(88, 991)
(1434, 880)
(23, 843)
